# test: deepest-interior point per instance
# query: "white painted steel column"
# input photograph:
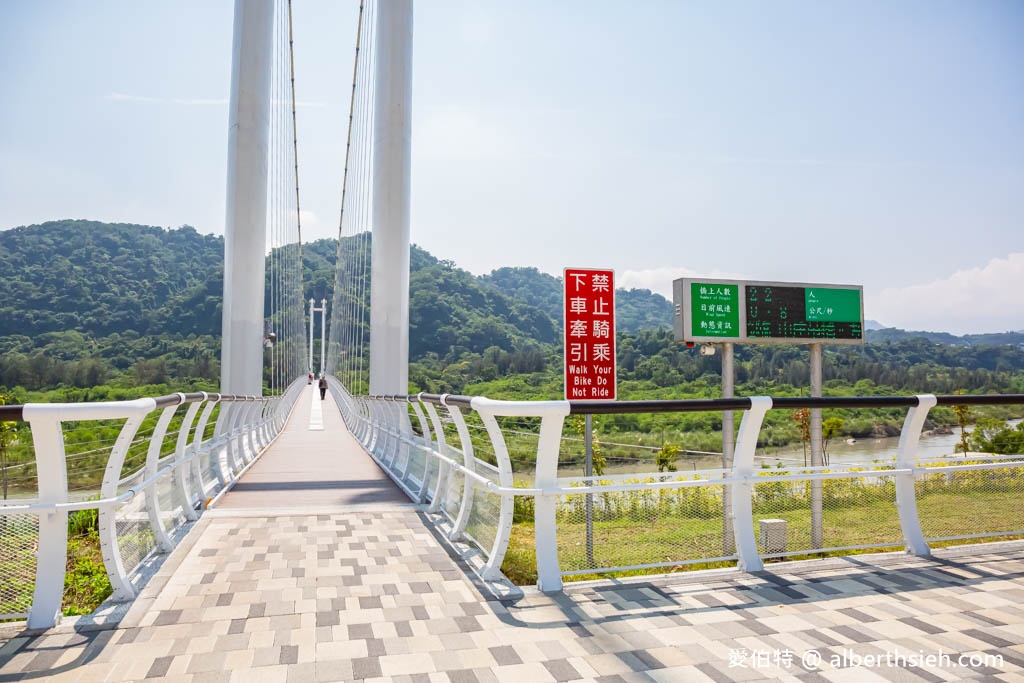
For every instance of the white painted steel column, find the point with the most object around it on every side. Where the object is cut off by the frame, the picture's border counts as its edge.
(545, 536)
(389, 288)
(323, 336)
(245, 229)
(51, 555)
(312, 317)
(906, 459)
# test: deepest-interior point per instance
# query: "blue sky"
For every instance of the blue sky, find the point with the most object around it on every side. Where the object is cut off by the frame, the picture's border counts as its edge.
(874, 143)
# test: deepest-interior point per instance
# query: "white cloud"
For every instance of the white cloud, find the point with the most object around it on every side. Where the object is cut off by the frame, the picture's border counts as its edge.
(976, 300)
(308, 218)
(660, 279)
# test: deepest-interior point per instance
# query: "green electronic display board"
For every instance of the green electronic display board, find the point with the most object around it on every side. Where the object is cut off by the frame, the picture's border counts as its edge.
(709, 310)
(716, 309)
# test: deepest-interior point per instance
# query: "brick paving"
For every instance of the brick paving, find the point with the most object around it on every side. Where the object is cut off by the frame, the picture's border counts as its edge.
(342, 591)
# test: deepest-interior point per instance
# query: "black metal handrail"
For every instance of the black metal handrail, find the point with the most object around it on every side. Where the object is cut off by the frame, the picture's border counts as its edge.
(743, 403)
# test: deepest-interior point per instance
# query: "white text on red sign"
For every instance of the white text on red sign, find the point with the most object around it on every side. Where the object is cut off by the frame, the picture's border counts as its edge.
(589, 334)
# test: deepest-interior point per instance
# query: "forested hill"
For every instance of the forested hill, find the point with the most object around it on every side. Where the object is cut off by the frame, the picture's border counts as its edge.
(105, 278)
(85, 303)
(85, 300)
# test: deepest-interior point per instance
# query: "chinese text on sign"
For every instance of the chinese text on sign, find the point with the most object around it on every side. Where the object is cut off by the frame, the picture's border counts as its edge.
(589, 334)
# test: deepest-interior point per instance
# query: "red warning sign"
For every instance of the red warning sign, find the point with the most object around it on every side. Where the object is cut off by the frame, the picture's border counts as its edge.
(590, 370)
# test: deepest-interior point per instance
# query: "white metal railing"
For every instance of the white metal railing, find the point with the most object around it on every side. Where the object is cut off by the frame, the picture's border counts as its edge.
(140, 512)
(455, 484)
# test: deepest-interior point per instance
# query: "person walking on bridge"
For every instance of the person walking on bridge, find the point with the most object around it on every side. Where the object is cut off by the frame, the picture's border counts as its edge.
(323, 387)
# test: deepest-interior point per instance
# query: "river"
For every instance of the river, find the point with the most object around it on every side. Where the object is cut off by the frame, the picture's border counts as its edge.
(859, 451)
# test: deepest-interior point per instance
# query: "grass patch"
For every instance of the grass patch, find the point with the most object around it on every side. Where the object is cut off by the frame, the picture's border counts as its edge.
(674, 538)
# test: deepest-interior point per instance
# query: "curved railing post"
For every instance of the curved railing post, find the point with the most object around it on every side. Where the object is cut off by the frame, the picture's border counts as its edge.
(52, 554)
(150, 495)
(109, 544)
(181, 473)
(906, 459)
(373, 424)
(253, 408)
(212, 401)
(265, 430)
(428, 443)
(468, 485)
(444, 470)
(234, 458)
(488, 413)
(402, 449)
(221, 446)
(389, 427)
(743, 484)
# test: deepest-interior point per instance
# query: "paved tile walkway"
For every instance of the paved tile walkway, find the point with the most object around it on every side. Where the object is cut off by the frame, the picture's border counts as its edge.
(369, 592)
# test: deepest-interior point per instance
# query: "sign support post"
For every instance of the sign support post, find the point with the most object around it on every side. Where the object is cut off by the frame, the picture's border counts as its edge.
(588, 471)
(817, 459)
(590, 364)
(728, 446)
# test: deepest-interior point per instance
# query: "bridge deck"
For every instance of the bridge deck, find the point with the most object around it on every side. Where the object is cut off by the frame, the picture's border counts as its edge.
(322, 465)
(343, 584)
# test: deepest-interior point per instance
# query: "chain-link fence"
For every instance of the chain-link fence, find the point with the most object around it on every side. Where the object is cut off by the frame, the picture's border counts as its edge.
(970, 503)
(641, 528)
(857, 512)
(19, 540)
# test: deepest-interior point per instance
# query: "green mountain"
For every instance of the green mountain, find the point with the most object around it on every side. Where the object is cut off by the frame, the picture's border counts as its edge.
(87, 303)
(106, 278)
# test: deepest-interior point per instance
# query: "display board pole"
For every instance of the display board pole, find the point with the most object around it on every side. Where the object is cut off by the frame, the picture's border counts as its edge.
(817, 459)
(728, 446)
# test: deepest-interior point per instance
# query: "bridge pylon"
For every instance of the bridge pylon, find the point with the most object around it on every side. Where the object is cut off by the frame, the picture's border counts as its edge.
(245, 241)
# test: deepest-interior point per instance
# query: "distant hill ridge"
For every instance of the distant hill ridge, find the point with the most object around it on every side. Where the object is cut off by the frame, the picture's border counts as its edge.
(109, 278)
(100, 279)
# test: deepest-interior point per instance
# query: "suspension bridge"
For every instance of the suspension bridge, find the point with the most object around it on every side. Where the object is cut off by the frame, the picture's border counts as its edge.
(277, 532)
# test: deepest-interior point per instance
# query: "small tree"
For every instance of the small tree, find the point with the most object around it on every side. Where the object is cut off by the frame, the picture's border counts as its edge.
(802, 417)
(830, 429)
(579, 424)
(7, 436)
(963, 418)
(666, 457)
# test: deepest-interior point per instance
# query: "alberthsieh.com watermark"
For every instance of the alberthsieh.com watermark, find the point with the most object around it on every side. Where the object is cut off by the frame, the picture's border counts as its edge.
(813, 660)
